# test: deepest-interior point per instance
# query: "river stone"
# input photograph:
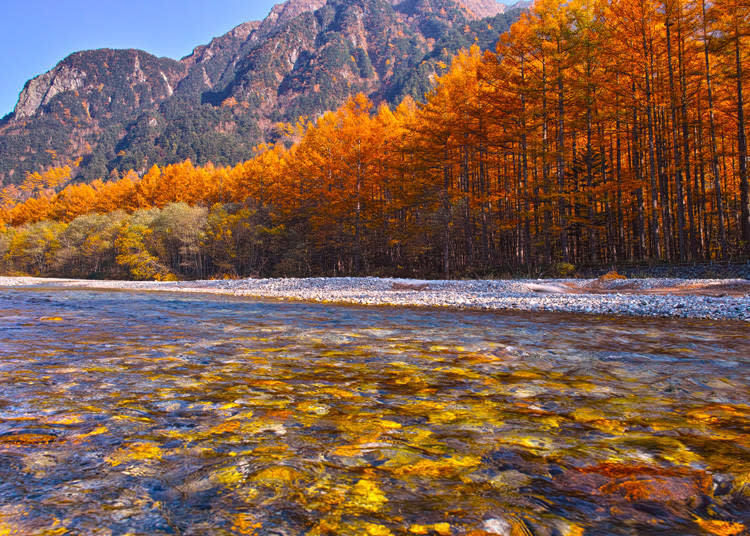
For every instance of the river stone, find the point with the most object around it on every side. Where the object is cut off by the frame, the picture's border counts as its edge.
(26, 439)
(635, 483)
(510, 479)
(497, 526)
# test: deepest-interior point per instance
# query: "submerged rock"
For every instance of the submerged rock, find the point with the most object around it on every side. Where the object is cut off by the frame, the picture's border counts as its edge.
(636, 483)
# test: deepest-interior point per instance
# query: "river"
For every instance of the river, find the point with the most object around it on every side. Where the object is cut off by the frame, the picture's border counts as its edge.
(147, 414)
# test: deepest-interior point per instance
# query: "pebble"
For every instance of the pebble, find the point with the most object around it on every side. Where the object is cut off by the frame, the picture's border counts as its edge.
(497, 526)
(517, 295)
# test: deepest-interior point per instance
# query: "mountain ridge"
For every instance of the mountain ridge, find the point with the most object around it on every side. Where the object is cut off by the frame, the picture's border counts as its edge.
(128, 109)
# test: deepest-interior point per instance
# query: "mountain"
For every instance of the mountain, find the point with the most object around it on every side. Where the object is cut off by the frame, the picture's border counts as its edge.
(480, 9)
(127, 109)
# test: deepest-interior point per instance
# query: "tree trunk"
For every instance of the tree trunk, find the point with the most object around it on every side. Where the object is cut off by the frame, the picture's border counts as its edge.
(655, 234)
(714, 148)
(681, 245)
(742, 146)
(562, 205)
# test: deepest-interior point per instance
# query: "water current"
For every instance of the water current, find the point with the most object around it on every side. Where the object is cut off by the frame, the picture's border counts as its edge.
(149, 414)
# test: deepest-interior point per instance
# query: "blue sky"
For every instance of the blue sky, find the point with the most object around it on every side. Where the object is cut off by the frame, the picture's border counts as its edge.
(36, 34)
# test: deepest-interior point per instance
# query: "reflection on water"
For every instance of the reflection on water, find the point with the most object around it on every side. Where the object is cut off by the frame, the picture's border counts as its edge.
(143, 414)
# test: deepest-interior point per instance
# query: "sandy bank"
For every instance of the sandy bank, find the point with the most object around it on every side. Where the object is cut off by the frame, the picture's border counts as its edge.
(684, 298)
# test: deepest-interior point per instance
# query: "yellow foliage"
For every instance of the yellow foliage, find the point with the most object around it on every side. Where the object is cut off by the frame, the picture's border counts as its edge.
(612, 276)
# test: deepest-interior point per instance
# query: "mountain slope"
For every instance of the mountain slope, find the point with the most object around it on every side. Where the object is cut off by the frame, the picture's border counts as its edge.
(126, 109)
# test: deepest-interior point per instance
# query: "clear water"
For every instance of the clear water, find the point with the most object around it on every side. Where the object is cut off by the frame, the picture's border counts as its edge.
(147, 414)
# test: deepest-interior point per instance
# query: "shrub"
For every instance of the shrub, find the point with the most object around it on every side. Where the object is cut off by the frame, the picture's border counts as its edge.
(564, 269)
(612, 275)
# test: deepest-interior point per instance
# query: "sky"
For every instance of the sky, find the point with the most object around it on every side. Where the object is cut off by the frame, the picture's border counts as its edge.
(36, 34)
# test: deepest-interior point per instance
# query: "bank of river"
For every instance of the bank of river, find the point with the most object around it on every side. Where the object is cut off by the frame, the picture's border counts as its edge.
(163, 413)
(680, 298)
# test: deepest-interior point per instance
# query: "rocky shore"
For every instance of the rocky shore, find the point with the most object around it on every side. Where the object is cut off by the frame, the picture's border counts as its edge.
(682, 298)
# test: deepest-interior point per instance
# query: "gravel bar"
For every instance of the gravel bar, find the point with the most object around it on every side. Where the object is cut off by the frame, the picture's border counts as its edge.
(679, 298)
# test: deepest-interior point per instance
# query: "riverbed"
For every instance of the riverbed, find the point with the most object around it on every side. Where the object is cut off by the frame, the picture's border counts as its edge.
(126, 412)
(719, 299)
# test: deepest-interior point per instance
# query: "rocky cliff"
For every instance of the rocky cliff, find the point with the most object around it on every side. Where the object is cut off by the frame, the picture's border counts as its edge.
(126, 109)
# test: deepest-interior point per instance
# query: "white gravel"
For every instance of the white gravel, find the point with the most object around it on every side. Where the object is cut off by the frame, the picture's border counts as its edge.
(569, 295)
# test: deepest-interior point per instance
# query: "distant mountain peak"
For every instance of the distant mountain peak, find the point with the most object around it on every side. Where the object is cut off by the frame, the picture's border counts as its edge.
(127, 109)
(480, 9)
(203, 52)
(291, 9)
(93, 70)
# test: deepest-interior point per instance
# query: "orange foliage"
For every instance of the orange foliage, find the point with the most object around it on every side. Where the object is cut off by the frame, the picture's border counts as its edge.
(590, 136)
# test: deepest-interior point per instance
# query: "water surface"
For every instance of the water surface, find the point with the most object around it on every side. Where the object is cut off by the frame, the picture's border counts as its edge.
(148, 414)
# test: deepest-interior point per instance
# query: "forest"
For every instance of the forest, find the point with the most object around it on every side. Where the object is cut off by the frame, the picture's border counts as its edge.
(598, 133)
